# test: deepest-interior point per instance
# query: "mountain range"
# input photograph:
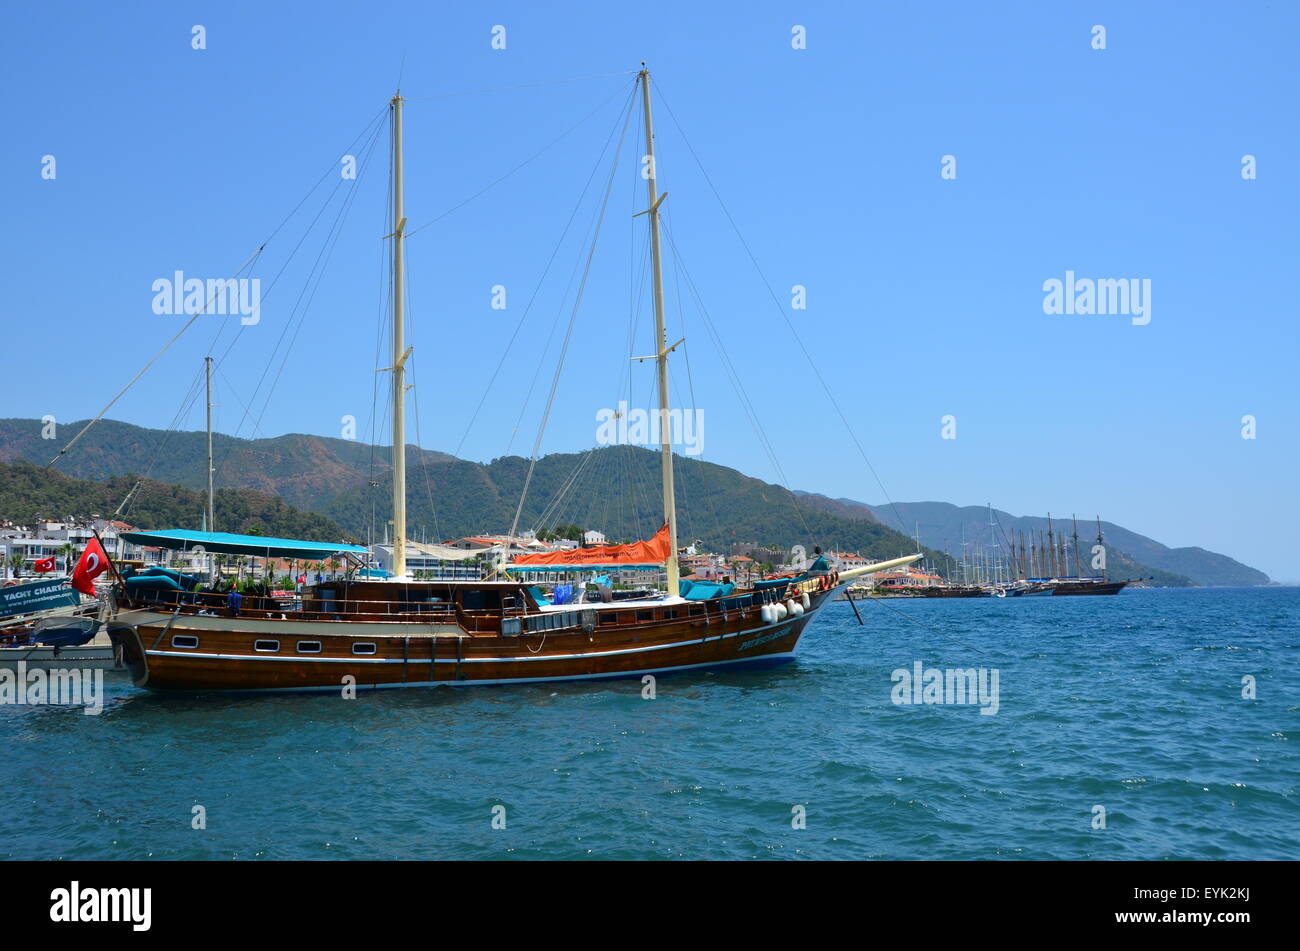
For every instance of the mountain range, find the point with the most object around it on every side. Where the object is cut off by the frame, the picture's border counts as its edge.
(947, 526)
(614, 489)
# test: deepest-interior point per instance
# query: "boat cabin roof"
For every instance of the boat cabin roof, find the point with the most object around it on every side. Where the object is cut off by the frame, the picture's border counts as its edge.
(227, 543)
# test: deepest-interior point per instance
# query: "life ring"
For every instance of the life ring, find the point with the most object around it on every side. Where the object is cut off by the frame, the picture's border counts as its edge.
(1002, 592)
(825, 583)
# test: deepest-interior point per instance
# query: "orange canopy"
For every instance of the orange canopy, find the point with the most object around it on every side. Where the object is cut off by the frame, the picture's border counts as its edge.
(653, 552)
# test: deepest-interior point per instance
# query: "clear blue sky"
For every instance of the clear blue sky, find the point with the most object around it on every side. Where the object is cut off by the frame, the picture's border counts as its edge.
(924, 295)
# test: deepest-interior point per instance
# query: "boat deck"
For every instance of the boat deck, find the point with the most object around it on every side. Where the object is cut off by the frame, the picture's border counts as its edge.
(99, 653)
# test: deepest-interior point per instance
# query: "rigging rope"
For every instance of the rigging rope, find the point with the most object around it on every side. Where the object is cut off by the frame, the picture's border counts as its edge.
(252, 259)
(152, 360)
(737, 384)
(921, 624)
(781, 309)
(543, 150)
(568, 336)
(537, 289)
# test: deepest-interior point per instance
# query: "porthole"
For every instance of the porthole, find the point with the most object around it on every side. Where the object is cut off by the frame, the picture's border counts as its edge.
(309, 647)
(266, 647)
(363, 648)
(184, 640)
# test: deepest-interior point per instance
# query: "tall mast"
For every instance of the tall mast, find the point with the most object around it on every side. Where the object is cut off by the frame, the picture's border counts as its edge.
(1075, 535)
(1051, 545)
(400, 351)
(1101, 543)
(212, 522)
(993, 548)
(661, 341)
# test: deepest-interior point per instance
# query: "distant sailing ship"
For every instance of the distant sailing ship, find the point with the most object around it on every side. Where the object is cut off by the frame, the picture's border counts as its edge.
(1039, 571)
(1049, 562)
(399, 632)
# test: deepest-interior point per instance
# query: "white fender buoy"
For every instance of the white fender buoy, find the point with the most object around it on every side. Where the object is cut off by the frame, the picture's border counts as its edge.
(781, 611)
(794, 607)
(807, 601)
(765, 612)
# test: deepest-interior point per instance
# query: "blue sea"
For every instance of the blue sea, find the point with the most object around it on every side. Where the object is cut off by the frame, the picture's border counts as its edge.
(1130, 704)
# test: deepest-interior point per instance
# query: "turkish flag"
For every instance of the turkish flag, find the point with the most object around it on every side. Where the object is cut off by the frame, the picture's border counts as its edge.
(92, 564)
(43, 564)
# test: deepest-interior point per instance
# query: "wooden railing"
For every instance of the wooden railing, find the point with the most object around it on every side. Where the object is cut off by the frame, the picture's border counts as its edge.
(300, 607)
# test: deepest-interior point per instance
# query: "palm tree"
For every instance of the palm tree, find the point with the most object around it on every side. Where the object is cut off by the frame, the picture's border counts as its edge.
(217, 562)
(16, 562)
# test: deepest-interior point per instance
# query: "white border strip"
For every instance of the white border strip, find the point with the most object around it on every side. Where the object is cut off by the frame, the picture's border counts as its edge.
(616, 675)
(312, 659)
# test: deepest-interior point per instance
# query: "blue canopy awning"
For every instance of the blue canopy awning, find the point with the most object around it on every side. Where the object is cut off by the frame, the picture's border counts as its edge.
(224, 543)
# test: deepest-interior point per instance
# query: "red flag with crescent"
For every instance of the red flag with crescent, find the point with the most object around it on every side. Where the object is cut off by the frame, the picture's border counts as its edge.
(41, 565)
(93, 563)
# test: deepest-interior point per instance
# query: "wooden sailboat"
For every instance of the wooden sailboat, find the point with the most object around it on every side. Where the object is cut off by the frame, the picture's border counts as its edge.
(1087, 585)
(398, 632)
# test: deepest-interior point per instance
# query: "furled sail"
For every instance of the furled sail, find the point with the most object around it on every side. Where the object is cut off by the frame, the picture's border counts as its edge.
(656, 551)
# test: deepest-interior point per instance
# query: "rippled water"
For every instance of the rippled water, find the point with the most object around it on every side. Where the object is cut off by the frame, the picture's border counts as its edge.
(1133, 703)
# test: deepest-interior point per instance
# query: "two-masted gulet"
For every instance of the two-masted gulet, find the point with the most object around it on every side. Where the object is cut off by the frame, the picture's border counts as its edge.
(400, 632)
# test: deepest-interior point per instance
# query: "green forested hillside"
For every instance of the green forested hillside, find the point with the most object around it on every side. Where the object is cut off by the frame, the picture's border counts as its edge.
(614, 489)
(302, 470)
(30, 492)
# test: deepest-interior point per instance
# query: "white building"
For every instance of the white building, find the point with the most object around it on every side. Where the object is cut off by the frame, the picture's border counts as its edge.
(49, 539)
(437, 562)
(842, 560)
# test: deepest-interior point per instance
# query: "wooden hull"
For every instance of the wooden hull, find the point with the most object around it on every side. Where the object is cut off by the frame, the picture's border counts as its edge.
(1088, 587)
(225, 655)
(954, 591)
(1038, 591)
